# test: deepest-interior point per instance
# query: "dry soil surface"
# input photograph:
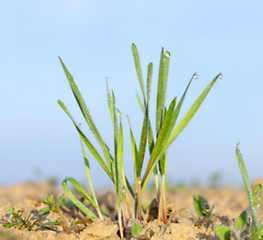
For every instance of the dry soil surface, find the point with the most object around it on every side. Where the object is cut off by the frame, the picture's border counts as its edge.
(228, 204)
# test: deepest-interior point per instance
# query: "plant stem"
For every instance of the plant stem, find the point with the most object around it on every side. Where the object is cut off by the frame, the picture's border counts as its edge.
(162, 203)
(139, 198)
(126, 196)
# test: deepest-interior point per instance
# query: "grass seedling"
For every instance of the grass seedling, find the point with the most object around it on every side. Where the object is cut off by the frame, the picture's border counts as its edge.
(203, 210)
(112, 161)
(166, 132)
(254, 197)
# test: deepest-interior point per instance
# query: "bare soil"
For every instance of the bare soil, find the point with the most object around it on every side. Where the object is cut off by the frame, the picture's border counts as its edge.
(228, 204)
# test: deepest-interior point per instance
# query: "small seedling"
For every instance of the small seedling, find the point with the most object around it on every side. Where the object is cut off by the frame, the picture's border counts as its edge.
(112, 161)
(53, 206)
(237, 233)
(20, 222)
(254, 196)
(203, 210)
(136, 229)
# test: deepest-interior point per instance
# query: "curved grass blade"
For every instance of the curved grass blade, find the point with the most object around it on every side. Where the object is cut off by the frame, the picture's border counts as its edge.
(87, 142)
(86, 114)
(179, 105)
(87, 166)
(191, 112)
(180, 127)
(79, 204)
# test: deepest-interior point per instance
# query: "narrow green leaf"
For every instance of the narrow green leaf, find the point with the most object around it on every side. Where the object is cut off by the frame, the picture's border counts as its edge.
(87, 167)
(222, 232)
(142, 146)
(191, 112)
(86, 114)
(160, 93)
(86, 141)
(140, 102)
(138, 68)
(120, 161)
(110, 102)
(149, 82)
(79, 204)
(160, 142)
(254, 232)
(179, 105)
(133, 144)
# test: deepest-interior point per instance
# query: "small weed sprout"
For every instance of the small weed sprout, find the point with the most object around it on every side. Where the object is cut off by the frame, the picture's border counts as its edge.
(237, 233)
(112, 161)
(136, 229)
(203, 210)
(19, 221)
(254, 196)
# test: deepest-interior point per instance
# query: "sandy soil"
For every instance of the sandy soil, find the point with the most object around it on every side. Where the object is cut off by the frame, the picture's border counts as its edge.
(228, 204)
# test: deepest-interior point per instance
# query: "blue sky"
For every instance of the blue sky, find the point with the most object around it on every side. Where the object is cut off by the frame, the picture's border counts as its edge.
(94, 40)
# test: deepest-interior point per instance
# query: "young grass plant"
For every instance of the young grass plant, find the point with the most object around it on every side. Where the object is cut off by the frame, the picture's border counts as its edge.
(254, 196)
(166, 133)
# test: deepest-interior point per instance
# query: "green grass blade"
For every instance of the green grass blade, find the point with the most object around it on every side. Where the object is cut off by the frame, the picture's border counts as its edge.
(149, 82)
(160, 93)
(86, 114)
(140, 102)
(110, 102)
(179, 105)
(191, 112)
(133, 144)
(161, 141)
(138, 69)
(79, 204)
(165, 71)
(119, 169)
(87, 142)
(142, 146)
(87, 166)
(120, 161)
(254, 232)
